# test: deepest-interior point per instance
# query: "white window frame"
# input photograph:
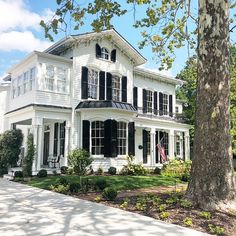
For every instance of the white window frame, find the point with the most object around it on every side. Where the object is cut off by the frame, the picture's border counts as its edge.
(121, 138)
(19, 85)
(176, 109)
(116, 91)
(97, 136)
(93, 82)
(61, 78)
(25, 82)
(105, 53)
(165, 104)
(149, 101)
(32, 74)
(50, 78)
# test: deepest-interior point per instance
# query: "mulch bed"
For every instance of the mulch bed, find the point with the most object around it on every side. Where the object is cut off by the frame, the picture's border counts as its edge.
(177, 213)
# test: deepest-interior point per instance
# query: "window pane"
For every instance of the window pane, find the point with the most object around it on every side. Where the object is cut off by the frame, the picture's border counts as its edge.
(149, 101)
(92, 84)
(97, 137)
(115, 88)
(122, 139)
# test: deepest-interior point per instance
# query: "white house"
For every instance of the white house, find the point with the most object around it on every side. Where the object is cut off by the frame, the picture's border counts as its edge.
(87, 91)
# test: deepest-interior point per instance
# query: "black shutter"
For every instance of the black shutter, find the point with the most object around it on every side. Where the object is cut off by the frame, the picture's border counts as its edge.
(109, 86)
(113, 55)
(170, 105)
(55, 143)
(131, 138)
(144, 101)
(183, 147)
(84, 82)
(101, 85)
(135, 97)
(161, 104)
(155, 103)
(156, 142)
(98, 51)
(86, 135)
(110, 138)
(145, 134)
(124, 89)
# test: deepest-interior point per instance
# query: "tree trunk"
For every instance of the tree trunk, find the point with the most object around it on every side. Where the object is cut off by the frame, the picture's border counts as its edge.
(212, 182)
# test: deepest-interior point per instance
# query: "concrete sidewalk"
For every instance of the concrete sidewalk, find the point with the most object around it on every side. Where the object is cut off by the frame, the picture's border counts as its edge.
(30, 211)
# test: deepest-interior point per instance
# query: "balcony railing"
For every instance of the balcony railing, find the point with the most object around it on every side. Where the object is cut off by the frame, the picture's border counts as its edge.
(157, 114)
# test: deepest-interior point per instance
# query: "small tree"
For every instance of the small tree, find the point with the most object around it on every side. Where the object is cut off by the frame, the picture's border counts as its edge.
(28, 159)
(79, 159)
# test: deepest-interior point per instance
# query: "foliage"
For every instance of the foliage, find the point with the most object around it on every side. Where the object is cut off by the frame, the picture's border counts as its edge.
(125, 204)
(42, 173)
(133, 169)
(60, 188)
(18, 174)
(74, 187)
(64, 170)
(29, 157)
(101, 184)
(62, 181)
(215, 229)
(185, 203)
(100, 171)
(188, 221)
(185, 177)
(205, 214)
(98, 199)
(162, 207)
(10, 143)
(112, 170)
(172, 200)
(164, 215)
(86, 184)
(176, 168)
(157, 171)
(79, 159)
(109, 193)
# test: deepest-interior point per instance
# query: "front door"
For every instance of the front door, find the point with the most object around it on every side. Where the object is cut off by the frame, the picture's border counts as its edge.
(46, 148)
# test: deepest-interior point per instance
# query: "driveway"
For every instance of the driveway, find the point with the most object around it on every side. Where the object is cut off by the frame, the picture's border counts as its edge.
(30, 211)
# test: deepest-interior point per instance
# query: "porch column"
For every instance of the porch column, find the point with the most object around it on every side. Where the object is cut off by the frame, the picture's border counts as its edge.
(40, 144)
(153, 149)
(67, 147)
(187, 145)
(171, 144)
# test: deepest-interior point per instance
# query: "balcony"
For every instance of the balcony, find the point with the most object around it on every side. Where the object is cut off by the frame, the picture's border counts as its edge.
(157, 114)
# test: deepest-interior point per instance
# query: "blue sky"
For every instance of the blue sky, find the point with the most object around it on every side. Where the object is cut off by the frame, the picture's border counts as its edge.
(20, 33)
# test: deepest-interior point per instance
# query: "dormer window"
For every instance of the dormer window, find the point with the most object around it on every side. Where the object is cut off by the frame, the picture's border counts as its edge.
(105, 54)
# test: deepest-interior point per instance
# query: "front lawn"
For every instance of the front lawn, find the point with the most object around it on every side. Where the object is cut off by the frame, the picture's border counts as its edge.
(118, 181)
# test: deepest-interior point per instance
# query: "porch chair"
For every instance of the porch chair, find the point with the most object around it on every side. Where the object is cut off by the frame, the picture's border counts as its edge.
(55, 161)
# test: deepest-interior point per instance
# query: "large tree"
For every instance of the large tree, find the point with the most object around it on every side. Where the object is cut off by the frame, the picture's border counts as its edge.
(167, 25)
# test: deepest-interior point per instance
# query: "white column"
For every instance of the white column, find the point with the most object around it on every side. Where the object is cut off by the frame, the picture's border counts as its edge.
(67, 148)
(153, 149)
(187, 145)
(171, 144)
(40, 145)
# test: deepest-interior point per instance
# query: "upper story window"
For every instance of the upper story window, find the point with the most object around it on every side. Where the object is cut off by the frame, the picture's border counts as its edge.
(104, 54)
(92, 84)
(49, 77)
(61, 80)
(32, 78)
(149, 101)
(26, 82)
(116, 88)
(165, 104)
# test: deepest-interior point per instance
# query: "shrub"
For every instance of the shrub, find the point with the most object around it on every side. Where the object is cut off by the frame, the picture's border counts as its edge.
(162, 207)
(74, 187)
(60, 188)
(185, 177)
(132, 169)
(70, 171)
(97, 199)
(101, 184)
(215, 229)
(64, 170)
(157, 171)
(79, 159)
(29, 157)
(62, 181)
(100, 171)
(205, 214)
(86, 184)
(176, 168)
(10, 143)
(109, 193)
(164, 215)
(125, 204)
(18, 174)
(185, 203)
(112, 170)
(42, 173)
(188, 221)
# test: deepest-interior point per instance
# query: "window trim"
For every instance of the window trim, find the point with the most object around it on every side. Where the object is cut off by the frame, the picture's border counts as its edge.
(126, 139)
(98, 84)
(166, 113)
(91, 139)
(105, 53)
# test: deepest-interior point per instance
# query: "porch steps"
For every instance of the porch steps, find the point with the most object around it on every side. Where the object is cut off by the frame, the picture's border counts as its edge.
(8, 177)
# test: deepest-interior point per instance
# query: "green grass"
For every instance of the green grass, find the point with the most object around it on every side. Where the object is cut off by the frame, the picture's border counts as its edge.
(120, 182)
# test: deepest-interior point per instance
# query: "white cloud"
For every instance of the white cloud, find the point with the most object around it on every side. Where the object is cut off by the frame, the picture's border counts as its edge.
(14, 14)
(17, 26)
(22, 41)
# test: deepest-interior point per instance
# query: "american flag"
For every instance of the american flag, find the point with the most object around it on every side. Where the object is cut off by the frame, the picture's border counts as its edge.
(161, 149)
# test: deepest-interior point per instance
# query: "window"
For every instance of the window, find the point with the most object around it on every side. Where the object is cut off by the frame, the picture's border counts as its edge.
(149, 101)
(177, 145)
(115, 88)
(165, 104)
(61, 80)
(19, 85)
(49, 78)
(14, 88)
(148, 143)
(165, 142)
(62, 139)
(104, 54)
(121, 137)
(25, 82)
(97, 137)
(176, 109)
(32, 78)
(92, 84)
